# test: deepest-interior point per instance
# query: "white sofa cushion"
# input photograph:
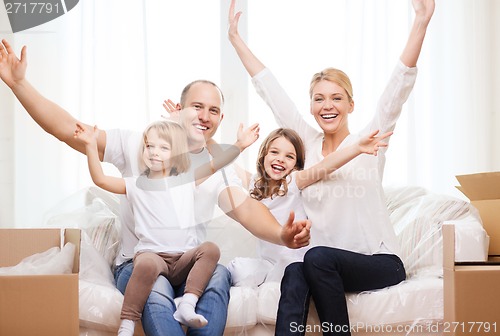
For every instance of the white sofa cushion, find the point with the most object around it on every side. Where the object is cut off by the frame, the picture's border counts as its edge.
(242, 310)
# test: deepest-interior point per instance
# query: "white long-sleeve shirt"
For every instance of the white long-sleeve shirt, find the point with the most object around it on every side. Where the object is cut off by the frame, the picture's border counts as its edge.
(347, 209)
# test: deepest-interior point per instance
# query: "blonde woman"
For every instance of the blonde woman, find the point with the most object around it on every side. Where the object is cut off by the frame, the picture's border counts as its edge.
(353, 244)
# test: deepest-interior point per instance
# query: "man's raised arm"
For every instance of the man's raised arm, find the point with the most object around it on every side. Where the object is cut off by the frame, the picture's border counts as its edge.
(50, 116)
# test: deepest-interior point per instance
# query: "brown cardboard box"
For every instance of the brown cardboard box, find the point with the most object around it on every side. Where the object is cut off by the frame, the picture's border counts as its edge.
(483, 190)
(471, 293)
(42, 305)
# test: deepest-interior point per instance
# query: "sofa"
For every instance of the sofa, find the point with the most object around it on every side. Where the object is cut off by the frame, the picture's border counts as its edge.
(411, 307)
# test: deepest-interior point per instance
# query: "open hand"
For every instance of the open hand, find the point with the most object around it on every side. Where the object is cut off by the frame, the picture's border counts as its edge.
(12, 69)
(248, 136)
(233, 20)
(371, 143)
(171, 108)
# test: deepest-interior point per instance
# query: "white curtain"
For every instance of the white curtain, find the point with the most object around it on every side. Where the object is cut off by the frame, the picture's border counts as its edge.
(112, 62)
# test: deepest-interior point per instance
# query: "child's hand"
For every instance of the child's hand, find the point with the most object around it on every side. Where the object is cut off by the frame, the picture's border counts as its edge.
(247, 137)
(85, 135)
(370, 144)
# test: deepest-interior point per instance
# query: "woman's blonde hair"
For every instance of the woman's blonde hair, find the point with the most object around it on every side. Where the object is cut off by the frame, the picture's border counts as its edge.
(332, 75)
(175, 135)
(261, 187)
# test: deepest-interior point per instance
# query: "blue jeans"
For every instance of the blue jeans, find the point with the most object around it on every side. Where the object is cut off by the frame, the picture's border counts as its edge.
(157, 317)
(327, 274)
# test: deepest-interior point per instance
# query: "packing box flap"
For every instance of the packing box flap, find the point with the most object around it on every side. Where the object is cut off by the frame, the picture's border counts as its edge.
(480, 186)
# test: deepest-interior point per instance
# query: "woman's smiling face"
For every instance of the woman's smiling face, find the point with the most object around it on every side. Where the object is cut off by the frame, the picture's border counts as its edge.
(330, 106)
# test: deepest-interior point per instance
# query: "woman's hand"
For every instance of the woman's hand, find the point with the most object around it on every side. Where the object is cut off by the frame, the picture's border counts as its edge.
(371, 143)
(424, 9)
(233, 21)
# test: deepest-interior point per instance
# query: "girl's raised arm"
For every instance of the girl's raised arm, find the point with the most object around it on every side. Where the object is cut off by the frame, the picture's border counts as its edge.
(221, 157)
(88, 137)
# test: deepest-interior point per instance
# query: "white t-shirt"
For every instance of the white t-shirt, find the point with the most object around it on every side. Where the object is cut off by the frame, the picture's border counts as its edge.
(123, 151)
(280, 207)
(163, 213)
(347, 210)
(272, 259)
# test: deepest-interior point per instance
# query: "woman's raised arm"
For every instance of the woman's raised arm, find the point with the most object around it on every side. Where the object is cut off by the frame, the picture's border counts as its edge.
(423, 14)
(251, 63)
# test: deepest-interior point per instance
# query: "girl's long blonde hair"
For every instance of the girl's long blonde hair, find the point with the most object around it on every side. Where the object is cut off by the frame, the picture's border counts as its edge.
(261, 188)
(175, 135)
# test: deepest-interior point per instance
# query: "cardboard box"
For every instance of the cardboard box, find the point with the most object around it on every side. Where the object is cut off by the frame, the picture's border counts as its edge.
(42, 305)
(483, 190)
(471, 292)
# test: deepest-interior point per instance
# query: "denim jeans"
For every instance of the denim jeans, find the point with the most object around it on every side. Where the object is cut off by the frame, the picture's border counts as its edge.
(157, 317)
(327, 274)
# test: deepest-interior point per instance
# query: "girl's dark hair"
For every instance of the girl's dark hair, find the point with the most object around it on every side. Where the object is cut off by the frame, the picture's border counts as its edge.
(261, 188)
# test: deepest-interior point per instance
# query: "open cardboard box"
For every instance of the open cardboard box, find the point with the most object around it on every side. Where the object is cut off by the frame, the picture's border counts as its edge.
(483, 190)
(42, 305)
(471, 292)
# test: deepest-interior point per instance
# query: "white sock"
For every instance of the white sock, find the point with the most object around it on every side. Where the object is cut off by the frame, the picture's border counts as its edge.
(126, 328)
(186, 314)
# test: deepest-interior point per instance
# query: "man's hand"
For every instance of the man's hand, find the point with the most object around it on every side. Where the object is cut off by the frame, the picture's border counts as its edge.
(172, 108)
(12, 69)
(296, 234)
